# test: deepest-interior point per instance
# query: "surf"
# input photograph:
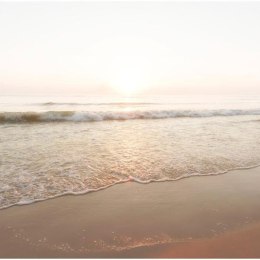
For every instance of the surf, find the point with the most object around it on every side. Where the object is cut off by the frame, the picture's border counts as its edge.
(90, 116)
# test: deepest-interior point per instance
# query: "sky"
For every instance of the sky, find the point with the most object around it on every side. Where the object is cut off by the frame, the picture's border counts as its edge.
(129, 48)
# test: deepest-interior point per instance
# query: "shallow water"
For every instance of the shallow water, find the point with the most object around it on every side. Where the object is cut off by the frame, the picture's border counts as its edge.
(42, 159)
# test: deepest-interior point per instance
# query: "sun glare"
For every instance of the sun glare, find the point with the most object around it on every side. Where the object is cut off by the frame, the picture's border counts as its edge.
(128, 64)
(128, 84)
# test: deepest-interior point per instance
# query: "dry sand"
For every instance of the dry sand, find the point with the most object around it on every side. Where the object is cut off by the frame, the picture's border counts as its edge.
(213, 216)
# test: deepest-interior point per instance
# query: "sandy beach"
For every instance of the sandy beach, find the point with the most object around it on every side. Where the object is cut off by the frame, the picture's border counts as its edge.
(206, 216)
(129, 129)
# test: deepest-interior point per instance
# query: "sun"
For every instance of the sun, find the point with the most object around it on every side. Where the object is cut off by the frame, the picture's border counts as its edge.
(128, 81)
(129, 66)
(127, 84)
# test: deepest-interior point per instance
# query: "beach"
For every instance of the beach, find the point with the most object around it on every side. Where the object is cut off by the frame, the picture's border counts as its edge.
(129, 129)
(160, 177)
(200, 216)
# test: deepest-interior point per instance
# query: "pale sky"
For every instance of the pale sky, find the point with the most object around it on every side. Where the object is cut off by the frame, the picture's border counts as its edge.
(138, 48)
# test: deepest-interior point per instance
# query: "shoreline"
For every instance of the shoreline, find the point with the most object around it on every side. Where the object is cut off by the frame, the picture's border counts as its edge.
(131, 179)
(162, 219)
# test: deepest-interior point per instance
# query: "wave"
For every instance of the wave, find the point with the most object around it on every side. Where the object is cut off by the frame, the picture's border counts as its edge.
(90, 116)
(129, 179)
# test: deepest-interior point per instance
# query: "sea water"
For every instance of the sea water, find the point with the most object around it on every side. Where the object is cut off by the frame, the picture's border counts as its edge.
(51, 146)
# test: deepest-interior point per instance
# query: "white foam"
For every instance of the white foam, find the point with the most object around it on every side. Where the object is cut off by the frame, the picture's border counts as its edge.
(130, 178)
(89, 116)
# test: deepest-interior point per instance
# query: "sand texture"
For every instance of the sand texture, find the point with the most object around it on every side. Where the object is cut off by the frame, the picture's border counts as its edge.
(208, 216)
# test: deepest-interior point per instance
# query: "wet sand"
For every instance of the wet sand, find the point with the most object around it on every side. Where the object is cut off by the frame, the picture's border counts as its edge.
(208, 216)
(235, 244)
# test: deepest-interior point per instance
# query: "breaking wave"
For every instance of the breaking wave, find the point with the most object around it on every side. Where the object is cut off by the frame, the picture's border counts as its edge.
(90, 116)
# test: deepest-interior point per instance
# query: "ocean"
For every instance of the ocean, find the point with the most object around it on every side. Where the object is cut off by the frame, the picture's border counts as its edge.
(52, 146)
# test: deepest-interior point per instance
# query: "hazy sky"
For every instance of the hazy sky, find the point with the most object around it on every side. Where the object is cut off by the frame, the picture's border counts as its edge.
(129, 47)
